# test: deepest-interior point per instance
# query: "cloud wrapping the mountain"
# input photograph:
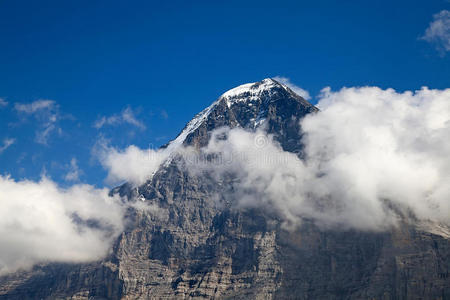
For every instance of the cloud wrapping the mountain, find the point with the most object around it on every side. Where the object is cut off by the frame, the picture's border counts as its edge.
(132, 164)
(41, 222)
(371, 154)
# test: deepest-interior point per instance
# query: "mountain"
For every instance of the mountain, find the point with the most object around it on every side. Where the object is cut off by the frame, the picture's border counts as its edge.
(186, 245)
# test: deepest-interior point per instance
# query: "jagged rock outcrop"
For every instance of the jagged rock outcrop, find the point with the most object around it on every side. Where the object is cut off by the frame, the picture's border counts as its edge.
(191, 243)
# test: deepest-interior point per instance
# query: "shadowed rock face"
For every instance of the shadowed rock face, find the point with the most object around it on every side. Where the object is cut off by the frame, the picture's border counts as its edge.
(196, 245)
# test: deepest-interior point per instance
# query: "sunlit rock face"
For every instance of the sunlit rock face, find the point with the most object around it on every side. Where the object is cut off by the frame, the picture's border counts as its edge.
(186, 239)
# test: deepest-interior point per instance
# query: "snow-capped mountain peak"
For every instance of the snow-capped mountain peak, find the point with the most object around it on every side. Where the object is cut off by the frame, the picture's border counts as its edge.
(246, 106)
(250, 91)
(245, 92)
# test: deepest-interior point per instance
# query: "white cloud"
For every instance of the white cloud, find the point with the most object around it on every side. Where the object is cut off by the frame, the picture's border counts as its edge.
(132, 164)
(43, 135)
(6, 143)
(382, 145)
(74, 171)
(370, 153)
(41, 222)
(126, 116)
(3, 103)
(438, 32)
(298, 90)
(47, 114)
(103, 121)
(33, 107)
(129, 117)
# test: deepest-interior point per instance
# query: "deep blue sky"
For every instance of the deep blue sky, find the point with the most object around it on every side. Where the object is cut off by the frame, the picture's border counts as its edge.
(167, 60)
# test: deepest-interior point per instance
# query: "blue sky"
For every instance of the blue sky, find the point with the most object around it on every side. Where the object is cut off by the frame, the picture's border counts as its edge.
(135, 72)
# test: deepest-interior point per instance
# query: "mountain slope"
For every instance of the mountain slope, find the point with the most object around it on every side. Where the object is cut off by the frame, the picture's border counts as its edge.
(187, 244)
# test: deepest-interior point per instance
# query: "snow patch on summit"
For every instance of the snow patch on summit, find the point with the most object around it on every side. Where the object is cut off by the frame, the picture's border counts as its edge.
(249, 91)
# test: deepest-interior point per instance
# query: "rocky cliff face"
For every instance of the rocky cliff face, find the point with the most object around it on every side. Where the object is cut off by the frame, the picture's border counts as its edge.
(189, 244)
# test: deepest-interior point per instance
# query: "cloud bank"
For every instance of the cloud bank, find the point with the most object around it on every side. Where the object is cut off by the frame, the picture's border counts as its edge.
(373, 156)
(438, 32)
(40, 222)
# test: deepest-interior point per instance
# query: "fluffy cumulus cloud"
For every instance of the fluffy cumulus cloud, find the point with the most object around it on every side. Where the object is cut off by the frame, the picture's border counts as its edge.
(438, 32)
(40, 222)
(127, 116)
(298, 90)
(132, 164)
(373, 156)
(378, 149)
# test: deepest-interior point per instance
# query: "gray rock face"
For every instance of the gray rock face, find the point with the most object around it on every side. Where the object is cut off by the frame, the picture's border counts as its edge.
(189, 246)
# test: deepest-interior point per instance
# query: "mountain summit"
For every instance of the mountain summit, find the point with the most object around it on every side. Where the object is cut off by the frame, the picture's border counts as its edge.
(265, 103)
(180, 244)
(255, 91)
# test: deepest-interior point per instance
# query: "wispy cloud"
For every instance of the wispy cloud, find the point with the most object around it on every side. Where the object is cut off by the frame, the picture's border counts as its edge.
(74, 171)
(3, 102)
(438, 32)
(33, 107)
(46, 112)
(43, 135)
(298, 90)
(164, 114)
(6, 143)
(127, 116)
